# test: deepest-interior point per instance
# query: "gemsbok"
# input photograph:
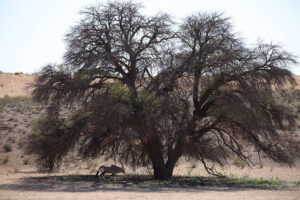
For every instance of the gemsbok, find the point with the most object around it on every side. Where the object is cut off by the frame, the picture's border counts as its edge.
(113, 169)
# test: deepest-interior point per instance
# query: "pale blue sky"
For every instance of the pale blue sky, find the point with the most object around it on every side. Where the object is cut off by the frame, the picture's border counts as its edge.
(32, 31)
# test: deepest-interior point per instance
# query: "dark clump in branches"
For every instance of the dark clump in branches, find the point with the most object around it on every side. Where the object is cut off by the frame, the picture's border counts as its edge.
(147, 93)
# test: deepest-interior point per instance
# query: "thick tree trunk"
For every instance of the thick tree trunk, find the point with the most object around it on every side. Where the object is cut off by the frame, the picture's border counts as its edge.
(162, 169)
(162, 172)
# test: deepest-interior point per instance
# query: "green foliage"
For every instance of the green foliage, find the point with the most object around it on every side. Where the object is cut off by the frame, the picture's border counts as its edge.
(117, 92)
(147, 102)
(247, 181)
(37, 123)
(50, 140)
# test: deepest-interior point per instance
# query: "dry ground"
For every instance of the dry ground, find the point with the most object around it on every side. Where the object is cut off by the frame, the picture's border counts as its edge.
(15, 85)
(28, 185)
(19, 179)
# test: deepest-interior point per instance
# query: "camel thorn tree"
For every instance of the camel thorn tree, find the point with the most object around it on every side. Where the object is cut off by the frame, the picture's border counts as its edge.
(148, 91)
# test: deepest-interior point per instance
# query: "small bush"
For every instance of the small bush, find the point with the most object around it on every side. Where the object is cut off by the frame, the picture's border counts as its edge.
(7, 147)
(26, 161)
(16, 169)
(239, 163)
(26, 151)
(36, 124)
(11, 139)
(4, 160)
(20, 143)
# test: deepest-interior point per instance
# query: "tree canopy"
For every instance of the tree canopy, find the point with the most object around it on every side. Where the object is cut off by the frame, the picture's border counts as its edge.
(147, 90)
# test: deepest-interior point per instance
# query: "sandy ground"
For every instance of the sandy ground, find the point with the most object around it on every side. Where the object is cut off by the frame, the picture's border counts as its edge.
(27, 184)
(15, 85)
(207, 194)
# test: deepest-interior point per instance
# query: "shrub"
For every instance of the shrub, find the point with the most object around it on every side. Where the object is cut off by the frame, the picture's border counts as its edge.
(20, 143)
(26, 151)
(36, 123)
(239, 163)
(26, 161)
(11, 139)
(16, 169)
(4, 160)
(7, 147)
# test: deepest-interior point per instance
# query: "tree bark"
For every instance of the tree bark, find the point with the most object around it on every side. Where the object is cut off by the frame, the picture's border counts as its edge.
(162, 172)
(161, 169)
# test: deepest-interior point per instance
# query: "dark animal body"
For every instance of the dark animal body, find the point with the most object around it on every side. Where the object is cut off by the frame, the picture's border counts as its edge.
(113, 169)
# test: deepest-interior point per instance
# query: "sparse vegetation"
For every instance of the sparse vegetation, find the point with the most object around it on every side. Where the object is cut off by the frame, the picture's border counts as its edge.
(200, 181)
(26, 161)
(25, 151)
(14, 100)
(4, 160)
(7, 147)
(35, 124)
(239, 163)
(289, 95)
(20, 143)
(16, 169)
(11, 139)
